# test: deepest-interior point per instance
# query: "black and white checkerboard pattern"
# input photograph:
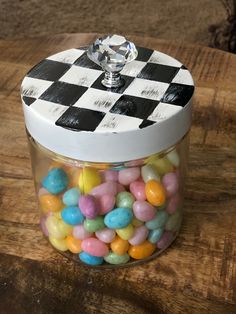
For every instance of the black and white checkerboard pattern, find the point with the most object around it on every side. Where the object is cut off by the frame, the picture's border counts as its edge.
(66, 89)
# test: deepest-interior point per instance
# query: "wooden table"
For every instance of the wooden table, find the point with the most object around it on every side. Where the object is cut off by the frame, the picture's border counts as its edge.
(197, 274)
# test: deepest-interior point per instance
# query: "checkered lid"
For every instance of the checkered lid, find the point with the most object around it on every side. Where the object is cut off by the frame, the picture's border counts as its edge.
(70, 112)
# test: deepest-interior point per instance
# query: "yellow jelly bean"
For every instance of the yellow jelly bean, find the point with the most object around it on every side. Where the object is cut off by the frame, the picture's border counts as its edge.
(162, 165)
(155, 193)
(142, 250)
(57, 228)
(136, 222)
(58, 244)
(65, 228)
(88, 179)
(119, 246)
(73, 244)
(125, 233)
(50, 203)
(57, 215)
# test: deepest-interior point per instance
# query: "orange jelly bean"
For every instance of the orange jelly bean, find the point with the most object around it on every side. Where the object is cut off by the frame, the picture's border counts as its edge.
(142, 250)
(73, 244)
(155, 193)
(49, 202)
(119, 246)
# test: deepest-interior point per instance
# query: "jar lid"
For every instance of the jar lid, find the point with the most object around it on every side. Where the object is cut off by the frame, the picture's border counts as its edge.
(140, 105)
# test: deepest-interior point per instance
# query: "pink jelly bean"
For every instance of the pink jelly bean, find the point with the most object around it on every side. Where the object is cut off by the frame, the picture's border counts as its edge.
(104, 188)
(126, 176)
(106, 203)
(144, 211)
(170, 183)
(139, 236)
(137, 188)
(79, 232)
(165, 240)
(94, 247)
(43, 226)
(42, 191)
(88, 206)
(109, 175)
(173, 204)
(106, 235)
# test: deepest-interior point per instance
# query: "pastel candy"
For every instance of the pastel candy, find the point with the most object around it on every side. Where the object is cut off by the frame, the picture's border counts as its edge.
(59, 244)
(174, 222)
(119, 246)
(144, 211)
(155, 235)
(88, 179)
(124, 199)
(90, 260)
(73, 244)
(115, 259)
(88, 206)
(148, 173)
(56, 181)
(170, 183)
(158, 221)
(109, 175)
(126, 176)
(139, 236)
(165, 240)
(72, 215)
(106, 203)
(155, 193)
(71, 197)
(43, 226)
(162, 165)
(173, 204)
(125, 233)
(94, 247)
(118, 218)
(137, 188)
(106, 235)
(79, 232)
(109, 188)
(93, 225)
(142, 250)
(173, 157)
(57, 228)
(50, 203)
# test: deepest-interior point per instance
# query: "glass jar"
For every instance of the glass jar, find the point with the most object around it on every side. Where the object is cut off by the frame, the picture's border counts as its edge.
(114, 197)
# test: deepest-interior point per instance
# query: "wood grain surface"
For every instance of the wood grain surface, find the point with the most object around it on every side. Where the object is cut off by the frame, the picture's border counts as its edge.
(197, 274)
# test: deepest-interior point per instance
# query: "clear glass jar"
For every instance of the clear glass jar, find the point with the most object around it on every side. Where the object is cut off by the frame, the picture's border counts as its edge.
(110, 214)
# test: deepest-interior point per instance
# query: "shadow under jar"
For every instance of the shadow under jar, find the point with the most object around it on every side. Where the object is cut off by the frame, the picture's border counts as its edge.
(109, 150)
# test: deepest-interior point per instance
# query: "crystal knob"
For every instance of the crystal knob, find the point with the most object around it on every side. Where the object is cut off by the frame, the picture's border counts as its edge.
(112, 53)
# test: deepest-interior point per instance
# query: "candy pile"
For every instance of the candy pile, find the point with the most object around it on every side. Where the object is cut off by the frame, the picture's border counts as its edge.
(112, 216)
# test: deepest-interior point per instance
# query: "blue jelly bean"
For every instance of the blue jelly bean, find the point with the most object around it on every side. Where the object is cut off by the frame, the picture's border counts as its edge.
(72, 215)
(118, 218)
(56, 181)
(155, 235)
(71, 197)
(158, 221)
(90, 259)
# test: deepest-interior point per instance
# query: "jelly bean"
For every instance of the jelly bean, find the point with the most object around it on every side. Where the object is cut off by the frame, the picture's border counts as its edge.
(125, 233)
(139, 236)
(90, 260)
(109, 188)
(124, 199)
(88, 206)
(109, 175)
(56, 181)
(115, 259)
(173, 157)
(155, 193)
(59, 244)
(170, 183)
(79, 232)
(137, 188)
(93, 225)
(155, 235)
(144, 211)
(73, 244)
(118, 218)
(88, 179)
(71, 197)
(165, 240)
(173, 204)
(43, 226)
(162, 165)
(174, 222)
(49, 202)
(136, 222)
(57, 215)
(127, 176)
(142, 250)
(94, 247)
(72, 215)
(148, 173)
(159, 221)
(57, 228)
(106, 203)
(42, 191)
(106, 235)
(119, 246)
(120, 188)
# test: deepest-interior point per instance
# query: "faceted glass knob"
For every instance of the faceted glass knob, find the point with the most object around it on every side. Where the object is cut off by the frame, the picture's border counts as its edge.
(112, 53)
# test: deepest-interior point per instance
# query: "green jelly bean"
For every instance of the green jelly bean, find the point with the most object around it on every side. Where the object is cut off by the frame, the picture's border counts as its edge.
(155, 235)
(158, 221)
(93, 225)
(174, 221)
(115, 259)
(124, 199)
(162, 165)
